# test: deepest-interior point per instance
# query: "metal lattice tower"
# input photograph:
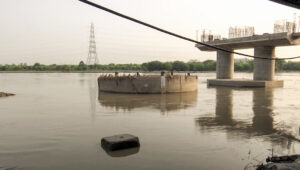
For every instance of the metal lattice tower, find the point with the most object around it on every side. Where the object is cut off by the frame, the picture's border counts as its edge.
(92, 56)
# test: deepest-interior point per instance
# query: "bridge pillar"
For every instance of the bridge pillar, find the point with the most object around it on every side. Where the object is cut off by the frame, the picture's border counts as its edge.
(264, 69)
(225, 65)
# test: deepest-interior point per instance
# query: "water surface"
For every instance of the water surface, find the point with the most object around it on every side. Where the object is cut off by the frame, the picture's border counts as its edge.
(56, 121)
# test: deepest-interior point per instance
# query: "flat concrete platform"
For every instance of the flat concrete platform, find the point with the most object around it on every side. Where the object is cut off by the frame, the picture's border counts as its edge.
(244, 83)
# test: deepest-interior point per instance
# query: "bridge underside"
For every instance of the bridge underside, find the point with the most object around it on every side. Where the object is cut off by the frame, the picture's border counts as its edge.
(290, 3)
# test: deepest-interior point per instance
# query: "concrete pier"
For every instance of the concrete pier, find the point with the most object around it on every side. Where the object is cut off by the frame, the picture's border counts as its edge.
(148, 84)
(225, 65)
(264, 69)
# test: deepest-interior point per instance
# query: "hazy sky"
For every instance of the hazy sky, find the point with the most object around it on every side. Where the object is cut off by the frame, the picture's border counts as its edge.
(57, 31)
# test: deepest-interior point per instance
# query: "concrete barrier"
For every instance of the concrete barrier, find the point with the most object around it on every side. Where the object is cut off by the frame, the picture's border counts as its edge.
(148, 84)
(178, 84)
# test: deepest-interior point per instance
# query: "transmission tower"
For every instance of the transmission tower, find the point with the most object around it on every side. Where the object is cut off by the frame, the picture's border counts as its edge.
(92, 56)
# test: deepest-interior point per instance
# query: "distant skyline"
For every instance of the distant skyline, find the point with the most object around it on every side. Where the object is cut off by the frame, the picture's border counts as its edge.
(56, 31)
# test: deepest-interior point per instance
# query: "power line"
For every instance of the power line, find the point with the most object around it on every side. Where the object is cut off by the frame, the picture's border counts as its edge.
(177, 35)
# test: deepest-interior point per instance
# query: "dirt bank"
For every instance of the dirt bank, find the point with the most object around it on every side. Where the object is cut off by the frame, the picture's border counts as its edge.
(2, 94)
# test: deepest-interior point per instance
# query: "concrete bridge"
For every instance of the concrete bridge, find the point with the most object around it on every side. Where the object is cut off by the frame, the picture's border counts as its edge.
(264, 69)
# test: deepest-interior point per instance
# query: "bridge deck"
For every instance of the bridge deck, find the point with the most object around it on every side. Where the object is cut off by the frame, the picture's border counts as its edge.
(276, 39)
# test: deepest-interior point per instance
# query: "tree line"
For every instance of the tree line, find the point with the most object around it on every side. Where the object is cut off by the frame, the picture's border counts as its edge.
(193, 65)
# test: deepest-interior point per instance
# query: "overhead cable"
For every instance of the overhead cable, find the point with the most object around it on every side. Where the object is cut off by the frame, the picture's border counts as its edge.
(177, 35)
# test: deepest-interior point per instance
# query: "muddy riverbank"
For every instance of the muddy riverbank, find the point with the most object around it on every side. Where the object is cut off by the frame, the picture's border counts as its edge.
(3, 94)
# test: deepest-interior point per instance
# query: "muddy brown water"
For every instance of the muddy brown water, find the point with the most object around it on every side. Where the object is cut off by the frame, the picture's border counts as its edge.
(56, 121)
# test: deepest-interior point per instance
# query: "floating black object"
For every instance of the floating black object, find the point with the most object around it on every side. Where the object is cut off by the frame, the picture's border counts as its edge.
(119, 142)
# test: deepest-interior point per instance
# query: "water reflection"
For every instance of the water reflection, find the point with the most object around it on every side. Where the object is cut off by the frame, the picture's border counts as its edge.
(123, 153)
(162, 102)
(262, 121)
(93, 98)
(6, 168)
(224, 107)
(263, 111)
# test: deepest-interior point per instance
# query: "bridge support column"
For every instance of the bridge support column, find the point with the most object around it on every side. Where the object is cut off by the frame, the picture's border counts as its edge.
(264, 69)
(225, 65)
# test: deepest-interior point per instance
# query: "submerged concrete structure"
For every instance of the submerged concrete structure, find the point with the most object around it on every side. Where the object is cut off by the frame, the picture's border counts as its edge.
(264, 69)
(148, 84)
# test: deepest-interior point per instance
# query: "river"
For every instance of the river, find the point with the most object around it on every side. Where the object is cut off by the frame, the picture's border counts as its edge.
(56, 121)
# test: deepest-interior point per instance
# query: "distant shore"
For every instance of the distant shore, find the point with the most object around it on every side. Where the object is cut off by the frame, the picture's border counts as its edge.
(130, 71)
(104, 71)
(148, 67)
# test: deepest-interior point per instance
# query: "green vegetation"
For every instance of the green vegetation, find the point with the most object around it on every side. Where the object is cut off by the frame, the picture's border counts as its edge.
(193, 65)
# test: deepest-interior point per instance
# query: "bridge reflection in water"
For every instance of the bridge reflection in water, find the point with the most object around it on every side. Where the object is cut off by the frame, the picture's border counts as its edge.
(262, 124)
(162, 102)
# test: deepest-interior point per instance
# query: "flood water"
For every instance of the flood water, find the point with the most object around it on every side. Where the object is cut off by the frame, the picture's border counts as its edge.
(56, 121)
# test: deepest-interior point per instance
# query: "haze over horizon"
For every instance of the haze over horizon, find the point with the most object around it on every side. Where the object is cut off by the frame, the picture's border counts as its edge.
(53, 31)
